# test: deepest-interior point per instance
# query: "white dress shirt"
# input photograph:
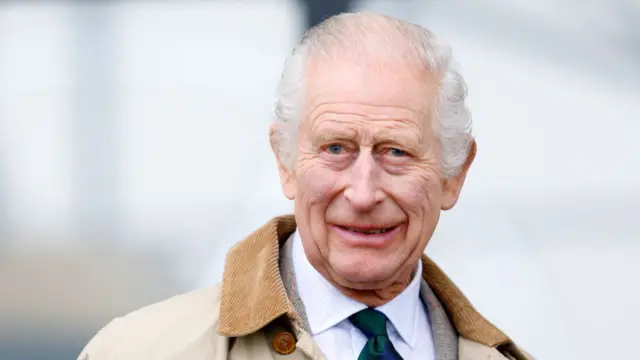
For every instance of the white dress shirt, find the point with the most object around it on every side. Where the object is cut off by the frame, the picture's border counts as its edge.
(328, 311)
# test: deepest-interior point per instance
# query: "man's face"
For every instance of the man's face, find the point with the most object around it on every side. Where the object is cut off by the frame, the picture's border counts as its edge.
(366, 182)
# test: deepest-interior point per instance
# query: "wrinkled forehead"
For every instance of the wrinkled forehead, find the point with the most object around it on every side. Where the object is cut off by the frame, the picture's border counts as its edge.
(380, 81)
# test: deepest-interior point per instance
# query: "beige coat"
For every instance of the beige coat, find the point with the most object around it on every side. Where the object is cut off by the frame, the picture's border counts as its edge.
(251, 315)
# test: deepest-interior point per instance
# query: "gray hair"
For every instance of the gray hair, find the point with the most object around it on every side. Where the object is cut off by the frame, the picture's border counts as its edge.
(452, 118)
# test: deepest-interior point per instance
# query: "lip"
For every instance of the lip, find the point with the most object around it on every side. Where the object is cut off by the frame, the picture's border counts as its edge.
(357, 239)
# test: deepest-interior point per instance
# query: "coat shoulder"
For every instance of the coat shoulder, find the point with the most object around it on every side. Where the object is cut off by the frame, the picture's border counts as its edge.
(183, 323)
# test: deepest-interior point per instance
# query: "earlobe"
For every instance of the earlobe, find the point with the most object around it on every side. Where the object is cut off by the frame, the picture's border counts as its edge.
(453, 186)
(287, 180)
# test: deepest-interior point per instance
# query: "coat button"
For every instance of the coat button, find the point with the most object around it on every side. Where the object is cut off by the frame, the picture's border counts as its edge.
(284, 343)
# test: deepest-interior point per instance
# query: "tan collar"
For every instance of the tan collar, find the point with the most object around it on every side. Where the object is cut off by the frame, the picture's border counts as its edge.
(253, 294)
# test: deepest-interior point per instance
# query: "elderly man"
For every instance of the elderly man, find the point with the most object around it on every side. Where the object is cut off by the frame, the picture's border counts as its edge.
(372, 139)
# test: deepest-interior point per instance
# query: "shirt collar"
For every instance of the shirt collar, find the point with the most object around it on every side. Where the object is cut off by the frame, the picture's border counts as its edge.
(326, 306)
(403, 310)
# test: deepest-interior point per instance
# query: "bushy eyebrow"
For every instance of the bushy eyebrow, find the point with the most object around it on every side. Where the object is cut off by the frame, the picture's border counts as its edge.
(327, 135)
(404, 138)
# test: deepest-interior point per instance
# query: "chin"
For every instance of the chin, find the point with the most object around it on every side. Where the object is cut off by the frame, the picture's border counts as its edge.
(358, 272)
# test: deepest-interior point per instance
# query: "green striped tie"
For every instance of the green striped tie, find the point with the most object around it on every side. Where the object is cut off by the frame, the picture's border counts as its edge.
(373, 324)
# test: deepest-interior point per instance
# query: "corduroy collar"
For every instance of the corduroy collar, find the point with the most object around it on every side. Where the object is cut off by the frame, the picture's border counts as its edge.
(253, 294)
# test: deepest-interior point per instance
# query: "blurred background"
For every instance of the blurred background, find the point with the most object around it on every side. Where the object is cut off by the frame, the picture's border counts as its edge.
(134, 153)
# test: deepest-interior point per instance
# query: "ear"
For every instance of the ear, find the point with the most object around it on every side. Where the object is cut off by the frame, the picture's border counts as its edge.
(453, 186)
(287, 176)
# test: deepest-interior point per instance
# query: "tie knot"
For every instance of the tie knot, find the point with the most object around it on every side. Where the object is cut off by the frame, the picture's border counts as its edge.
(371, 322)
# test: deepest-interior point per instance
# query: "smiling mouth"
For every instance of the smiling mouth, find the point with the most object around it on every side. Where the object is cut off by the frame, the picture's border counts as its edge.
(368, 231)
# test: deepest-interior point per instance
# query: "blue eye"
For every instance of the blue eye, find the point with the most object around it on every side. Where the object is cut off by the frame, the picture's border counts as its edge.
(397, 152)
(335, 149)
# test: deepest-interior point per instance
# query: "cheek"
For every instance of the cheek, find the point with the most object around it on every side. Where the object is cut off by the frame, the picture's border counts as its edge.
(316, 183)
(416, 192)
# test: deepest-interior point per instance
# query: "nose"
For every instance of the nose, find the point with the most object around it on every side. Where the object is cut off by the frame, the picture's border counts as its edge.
(363, 191)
